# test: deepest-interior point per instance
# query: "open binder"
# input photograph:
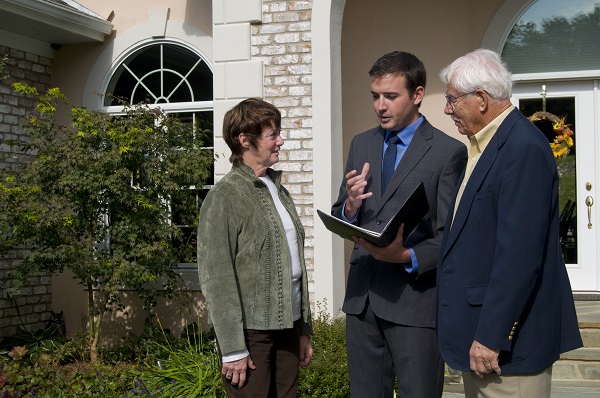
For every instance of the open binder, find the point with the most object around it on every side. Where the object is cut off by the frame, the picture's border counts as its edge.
(410, 213)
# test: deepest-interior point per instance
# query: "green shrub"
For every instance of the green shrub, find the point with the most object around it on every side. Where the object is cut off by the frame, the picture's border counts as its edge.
(28, 345)
(191, 370)
(327, 375)
(45, 378)
(157, 364)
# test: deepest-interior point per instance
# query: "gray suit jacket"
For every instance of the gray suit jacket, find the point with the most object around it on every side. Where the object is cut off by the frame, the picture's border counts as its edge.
(395, 295)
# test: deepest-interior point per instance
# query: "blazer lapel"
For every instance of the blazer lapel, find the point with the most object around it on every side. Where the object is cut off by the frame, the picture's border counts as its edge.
(485, 162)
(464, 207)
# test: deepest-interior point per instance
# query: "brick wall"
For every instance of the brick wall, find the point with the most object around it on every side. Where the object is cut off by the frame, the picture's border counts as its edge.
(283, 43)
(30, 304)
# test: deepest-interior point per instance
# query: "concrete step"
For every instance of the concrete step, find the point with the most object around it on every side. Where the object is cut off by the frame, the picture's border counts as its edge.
(582, 364)
(590, 333)
(560, 389)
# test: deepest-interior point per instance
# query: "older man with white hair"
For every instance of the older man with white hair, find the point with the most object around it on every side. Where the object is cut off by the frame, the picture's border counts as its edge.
(505, 305)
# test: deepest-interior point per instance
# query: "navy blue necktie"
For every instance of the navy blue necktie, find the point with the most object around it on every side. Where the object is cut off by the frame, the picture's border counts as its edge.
(389, 161)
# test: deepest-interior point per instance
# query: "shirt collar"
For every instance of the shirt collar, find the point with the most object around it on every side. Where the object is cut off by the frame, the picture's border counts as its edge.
(481, 140)
(407, 133)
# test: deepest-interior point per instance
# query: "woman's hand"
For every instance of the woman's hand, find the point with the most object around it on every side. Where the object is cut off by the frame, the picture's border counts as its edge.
(306, 351)
(235, 371)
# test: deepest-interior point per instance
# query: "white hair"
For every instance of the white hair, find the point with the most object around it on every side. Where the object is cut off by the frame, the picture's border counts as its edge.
(482, 69)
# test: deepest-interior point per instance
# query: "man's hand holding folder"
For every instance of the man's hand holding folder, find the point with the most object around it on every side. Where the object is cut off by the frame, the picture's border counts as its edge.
(395, 252)
(409, 215)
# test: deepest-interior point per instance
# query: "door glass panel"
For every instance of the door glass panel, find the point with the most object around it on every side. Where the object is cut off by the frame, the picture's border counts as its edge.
(555, 117)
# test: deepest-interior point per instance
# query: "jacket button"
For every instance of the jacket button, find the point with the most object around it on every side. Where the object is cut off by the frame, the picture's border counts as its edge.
(378, 222)
(510, 337)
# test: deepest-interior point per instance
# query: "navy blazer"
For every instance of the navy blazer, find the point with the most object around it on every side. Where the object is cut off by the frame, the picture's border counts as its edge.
(501, 278)
(395, 295)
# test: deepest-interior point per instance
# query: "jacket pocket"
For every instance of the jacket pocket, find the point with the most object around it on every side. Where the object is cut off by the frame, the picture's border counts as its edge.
(476, 295)
(483, 195)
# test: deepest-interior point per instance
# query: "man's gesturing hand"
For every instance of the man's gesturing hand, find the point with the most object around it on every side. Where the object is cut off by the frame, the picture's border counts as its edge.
(355, 190)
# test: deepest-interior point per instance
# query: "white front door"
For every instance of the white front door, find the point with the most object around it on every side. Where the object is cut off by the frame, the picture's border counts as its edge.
(578, 102)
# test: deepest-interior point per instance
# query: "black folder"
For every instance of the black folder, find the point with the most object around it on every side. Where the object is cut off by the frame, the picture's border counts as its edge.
(410, 213)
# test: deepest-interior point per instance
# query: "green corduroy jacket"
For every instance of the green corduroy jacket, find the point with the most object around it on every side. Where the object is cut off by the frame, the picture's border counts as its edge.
(244, 260)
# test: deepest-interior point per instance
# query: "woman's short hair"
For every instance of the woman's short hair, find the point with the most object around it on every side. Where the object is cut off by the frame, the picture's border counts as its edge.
(250, 117)
(482, 69)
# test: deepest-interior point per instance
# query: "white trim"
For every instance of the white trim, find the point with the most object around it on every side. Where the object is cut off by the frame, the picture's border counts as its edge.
(23, 43)
(52, 14)
(329, 263)
(132, 40)
(81, 8)
(547, 76)
(183, 107)
(502, 23)
(596, 208)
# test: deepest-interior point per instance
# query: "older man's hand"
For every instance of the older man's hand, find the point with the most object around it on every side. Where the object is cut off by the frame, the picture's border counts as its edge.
(483, 359)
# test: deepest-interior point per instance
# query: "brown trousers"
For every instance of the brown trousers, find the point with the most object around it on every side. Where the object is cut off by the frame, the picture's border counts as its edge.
(276, 355)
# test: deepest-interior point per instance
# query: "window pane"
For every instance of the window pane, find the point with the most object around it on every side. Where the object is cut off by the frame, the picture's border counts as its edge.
(553, 36)
(186, 241)
(168, 73)
(161, 73)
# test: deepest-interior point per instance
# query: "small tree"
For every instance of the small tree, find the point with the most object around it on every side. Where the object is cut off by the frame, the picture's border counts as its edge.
(97, 197)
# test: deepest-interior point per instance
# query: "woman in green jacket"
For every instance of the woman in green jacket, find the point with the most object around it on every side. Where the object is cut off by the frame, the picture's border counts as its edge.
(251, 262)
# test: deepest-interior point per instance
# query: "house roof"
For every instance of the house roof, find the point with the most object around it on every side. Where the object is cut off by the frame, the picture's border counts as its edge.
(53, 21)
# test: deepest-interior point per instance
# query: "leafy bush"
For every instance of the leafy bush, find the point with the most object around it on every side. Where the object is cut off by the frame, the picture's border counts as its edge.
(157, 364)
(25, 344)
(98, 197)
(327, 375)
(192, 369)
(45, 378)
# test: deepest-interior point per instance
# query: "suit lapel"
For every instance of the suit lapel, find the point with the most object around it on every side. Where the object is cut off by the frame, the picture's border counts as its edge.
(483, 166)
(375, 152)
(418, 147)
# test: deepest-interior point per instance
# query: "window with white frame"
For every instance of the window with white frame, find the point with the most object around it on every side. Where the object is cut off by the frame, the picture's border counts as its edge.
(551, 37)
(179, 81)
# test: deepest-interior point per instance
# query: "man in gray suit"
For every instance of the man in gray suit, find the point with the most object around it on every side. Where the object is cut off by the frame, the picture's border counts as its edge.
(390, 296)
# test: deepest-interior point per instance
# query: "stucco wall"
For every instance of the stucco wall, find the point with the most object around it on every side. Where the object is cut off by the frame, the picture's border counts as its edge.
(74, 66)
(435, 32)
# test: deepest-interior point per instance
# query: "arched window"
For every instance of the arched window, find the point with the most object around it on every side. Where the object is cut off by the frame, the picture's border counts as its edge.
(555, 36)
(179, 81)
(163, 73)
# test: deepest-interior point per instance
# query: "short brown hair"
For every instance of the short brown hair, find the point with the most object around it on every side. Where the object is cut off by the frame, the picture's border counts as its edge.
(250, 117)
(404, 64)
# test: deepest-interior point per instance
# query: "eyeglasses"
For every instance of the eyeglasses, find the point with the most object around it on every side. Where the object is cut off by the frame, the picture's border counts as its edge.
(450, 100)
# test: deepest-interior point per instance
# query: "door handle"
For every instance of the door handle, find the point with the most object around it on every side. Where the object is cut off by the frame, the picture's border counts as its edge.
(589, 201)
